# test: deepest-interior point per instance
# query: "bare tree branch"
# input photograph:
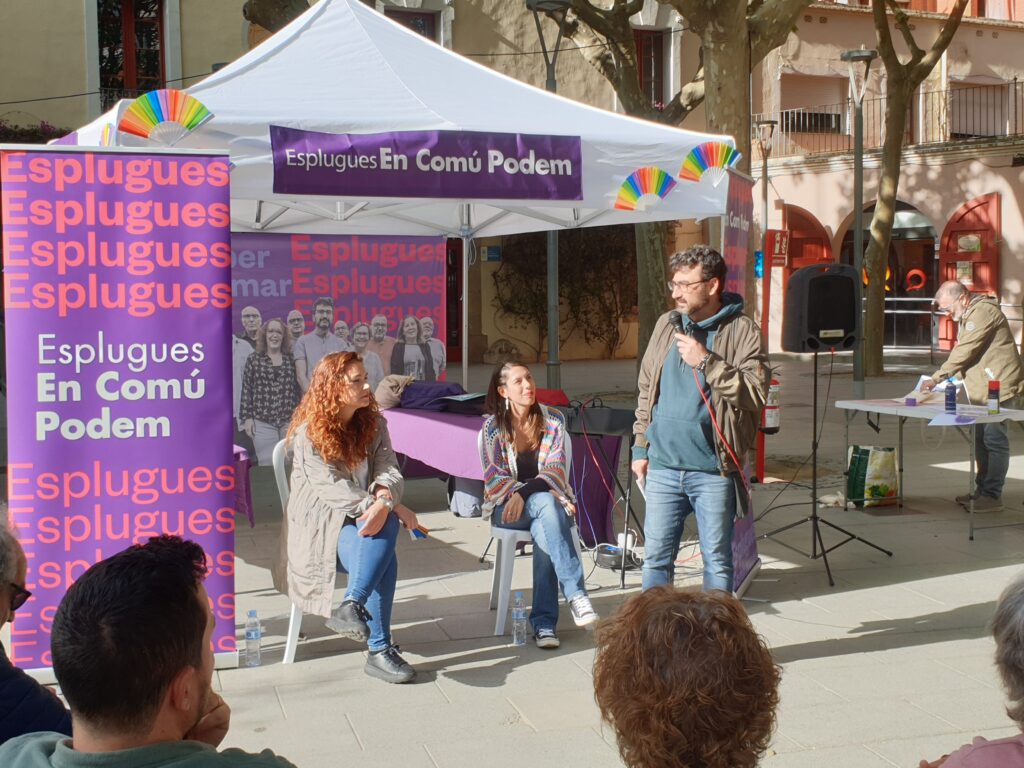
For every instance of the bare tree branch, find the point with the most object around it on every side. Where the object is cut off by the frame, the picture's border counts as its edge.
(688, 99)
(770, 25)
(902, 23)
(945, 37)
(886, 49)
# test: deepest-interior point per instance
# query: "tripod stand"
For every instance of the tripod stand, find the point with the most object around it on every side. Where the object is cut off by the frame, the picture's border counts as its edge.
(818, 548)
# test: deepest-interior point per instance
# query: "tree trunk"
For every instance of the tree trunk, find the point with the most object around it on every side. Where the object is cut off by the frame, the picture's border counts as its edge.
(876, 258)
(651, 279)
(273, 14)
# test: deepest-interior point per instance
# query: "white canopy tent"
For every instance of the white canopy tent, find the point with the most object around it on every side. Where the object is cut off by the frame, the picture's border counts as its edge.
(343, 68)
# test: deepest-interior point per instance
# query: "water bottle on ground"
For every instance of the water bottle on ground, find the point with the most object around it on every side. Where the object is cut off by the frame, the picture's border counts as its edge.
(253, 635)
(518, 619)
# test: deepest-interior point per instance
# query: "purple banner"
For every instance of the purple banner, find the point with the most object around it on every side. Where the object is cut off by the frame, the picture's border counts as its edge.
(736, 232)
(450, 164)
(117, 296)
(383, 297)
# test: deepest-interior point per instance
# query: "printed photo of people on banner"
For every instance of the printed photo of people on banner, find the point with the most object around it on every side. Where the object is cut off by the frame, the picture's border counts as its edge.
(298, 298)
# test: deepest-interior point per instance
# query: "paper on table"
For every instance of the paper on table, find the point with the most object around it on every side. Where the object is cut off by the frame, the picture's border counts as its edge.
(934, 396)
(951, 420)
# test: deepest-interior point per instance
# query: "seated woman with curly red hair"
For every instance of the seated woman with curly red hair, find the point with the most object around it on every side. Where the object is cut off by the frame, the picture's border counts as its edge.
(345, 506)
(685, 681)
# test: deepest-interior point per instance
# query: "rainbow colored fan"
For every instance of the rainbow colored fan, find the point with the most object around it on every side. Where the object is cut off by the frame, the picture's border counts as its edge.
(710, 161)
(107, 137)
(164, 117)
(643, 187)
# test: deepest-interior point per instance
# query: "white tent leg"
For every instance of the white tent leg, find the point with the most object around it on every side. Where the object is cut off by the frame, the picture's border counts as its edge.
(467, 243)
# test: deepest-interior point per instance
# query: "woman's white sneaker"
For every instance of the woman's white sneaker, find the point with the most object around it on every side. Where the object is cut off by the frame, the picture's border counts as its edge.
(583, 612)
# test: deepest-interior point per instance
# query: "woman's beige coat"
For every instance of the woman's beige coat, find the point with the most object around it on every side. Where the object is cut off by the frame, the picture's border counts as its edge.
(322, 495)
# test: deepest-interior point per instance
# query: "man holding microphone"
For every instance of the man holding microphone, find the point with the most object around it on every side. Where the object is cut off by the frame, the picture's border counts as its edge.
(703, 382)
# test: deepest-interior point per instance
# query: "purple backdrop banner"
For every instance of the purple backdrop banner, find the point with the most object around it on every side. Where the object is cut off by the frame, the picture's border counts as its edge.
(450, 164)
(117, 292)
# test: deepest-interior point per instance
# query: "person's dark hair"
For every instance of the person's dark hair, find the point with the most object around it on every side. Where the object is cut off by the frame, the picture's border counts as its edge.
(126, 629)
(8, 551)
(711, 263)
(685, 681)
(495, 404)
(1008, 631)
(325, 301)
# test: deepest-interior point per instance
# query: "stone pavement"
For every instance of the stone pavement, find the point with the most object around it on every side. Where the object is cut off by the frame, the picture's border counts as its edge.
(892, 664)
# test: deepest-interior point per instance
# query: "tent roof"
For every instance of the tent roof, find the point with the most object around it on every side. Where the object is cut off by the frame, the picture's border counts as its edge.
(344, 68)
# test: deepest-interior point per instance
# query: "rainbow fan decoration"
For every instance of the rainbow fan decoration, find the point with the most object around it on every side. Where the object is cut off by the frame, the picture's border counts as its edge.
(108, 136)
(709, 160)
(165, 116)
(643, 186)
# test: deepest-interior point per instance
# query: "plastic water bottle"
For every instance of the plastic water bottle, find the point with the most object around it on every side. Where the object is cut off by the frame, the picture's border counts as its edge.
(951, 395)
(518, 619)
(253, 635)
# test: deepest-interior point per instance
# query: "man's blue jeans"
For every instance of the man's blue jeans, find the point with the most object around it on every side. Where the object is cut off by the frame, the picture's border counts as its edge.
(992, 453)
(554, 556)
(372, 567)
(671, 496)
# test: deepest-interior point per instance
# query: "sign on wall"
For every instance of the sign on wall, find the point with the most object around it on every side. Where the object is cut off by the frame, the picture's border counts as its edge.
(117, 292)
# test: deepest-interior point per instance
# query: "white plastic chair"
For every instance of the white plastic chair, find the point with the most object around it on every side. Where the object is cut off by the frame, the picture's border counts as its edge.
(505, 552)
(283, 490)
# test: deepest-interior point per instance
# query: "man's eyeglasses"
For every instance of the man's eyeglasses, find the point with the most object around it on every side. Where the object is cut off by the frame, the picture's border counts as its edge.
(18, 596)
(673, 285)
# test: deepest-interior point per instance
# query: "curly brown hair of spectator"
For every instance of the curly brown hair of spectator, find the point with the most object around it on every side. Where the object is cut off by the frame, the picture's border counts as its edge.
(685, 681)
(330, 392)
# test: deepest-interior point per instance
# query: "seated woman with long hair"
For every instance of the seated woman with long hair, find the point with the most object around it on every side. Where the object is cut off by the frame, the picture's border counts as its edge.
(526, 487)
(685, 681)
(345, 506)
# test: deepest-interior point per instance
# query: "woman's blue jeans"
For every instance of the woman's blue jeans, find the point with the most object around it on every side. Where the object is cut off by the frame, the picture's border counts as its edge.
(671, 496)
(372, 567)
(555, 561)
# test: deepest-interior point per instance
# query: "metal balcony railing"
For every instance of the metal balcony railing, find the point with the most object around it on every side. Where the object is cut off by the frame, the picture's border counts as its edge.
(933, 117)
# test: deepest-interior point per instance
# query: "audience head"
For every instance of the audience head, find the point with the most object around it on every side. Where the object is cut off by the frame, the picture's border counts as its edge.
(379, 327)
(685, 681)
(1008, 631)
(323, 314)
(279, 338)
(13, 572)
(131, 639)
(341, 330)
(338, 410)
(427, 327)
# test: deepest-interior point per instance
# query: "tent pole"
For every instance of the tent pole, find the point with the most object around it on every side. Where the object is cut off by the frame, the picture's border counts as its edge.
(466, 231)
(467, 243)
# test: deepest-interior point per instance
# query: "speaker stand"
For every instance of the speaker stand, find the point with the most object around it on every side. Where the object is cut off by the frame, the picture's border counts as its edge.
(818, 548)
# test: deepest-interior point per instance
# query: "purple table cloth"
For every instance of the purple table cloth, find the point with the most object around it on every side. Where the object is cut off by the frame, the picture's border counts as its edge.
(448, 443)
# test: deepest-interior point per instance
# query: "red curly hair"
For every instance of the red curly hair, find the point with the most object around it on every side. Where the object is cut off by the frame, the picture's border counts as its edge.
(685, 681)
(320, 411)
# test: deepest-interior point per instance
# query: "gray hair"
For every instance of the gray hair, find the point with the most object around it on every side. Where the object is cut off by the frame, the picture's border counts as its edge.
(711, 263)
(1008, 631)
(8, 551)
(951, 289)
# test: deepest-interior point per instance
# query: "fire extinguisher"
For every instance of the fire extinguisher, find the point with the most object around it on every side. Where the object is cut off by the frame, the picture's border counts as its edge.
(770, 417)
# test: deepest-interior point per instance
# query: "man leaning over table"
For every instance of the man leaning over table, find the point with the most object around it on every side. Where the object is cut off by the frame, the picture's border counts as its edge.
(985, 350)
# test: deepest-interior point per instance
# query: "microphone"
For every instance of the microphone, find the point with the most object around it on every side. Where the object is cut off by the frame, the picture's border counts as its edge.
(675, 319)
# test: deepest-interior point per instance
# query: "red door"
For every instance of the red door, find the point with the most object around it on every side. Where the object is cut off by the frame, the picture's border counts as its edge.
(969, 252)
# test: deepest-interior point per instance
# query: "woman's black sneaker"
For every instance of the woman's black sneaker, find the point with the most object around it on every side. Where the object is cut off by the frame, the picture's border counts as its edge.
(349, 620)
(389, 666)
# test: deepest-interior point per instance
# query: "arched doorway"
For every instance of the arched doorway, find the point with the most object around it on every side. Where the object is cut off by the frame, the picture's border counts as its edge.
(911, 275)
(970, 252)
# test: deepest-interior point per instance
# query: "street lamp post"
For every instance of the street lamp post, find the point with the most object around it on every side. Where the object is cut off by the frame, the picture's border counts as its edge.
(765, 131)
(857, 89)
(557, 9)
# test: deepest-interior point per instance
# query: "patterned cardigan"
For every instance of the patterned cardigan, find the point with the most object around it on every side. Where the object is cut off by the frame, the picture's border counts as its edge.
(499, 461)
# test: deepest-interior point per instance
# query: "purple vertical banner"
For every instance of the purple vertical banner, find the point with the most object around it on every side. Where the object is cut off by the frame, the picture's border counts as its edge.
(117, 296)
(736, 232)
